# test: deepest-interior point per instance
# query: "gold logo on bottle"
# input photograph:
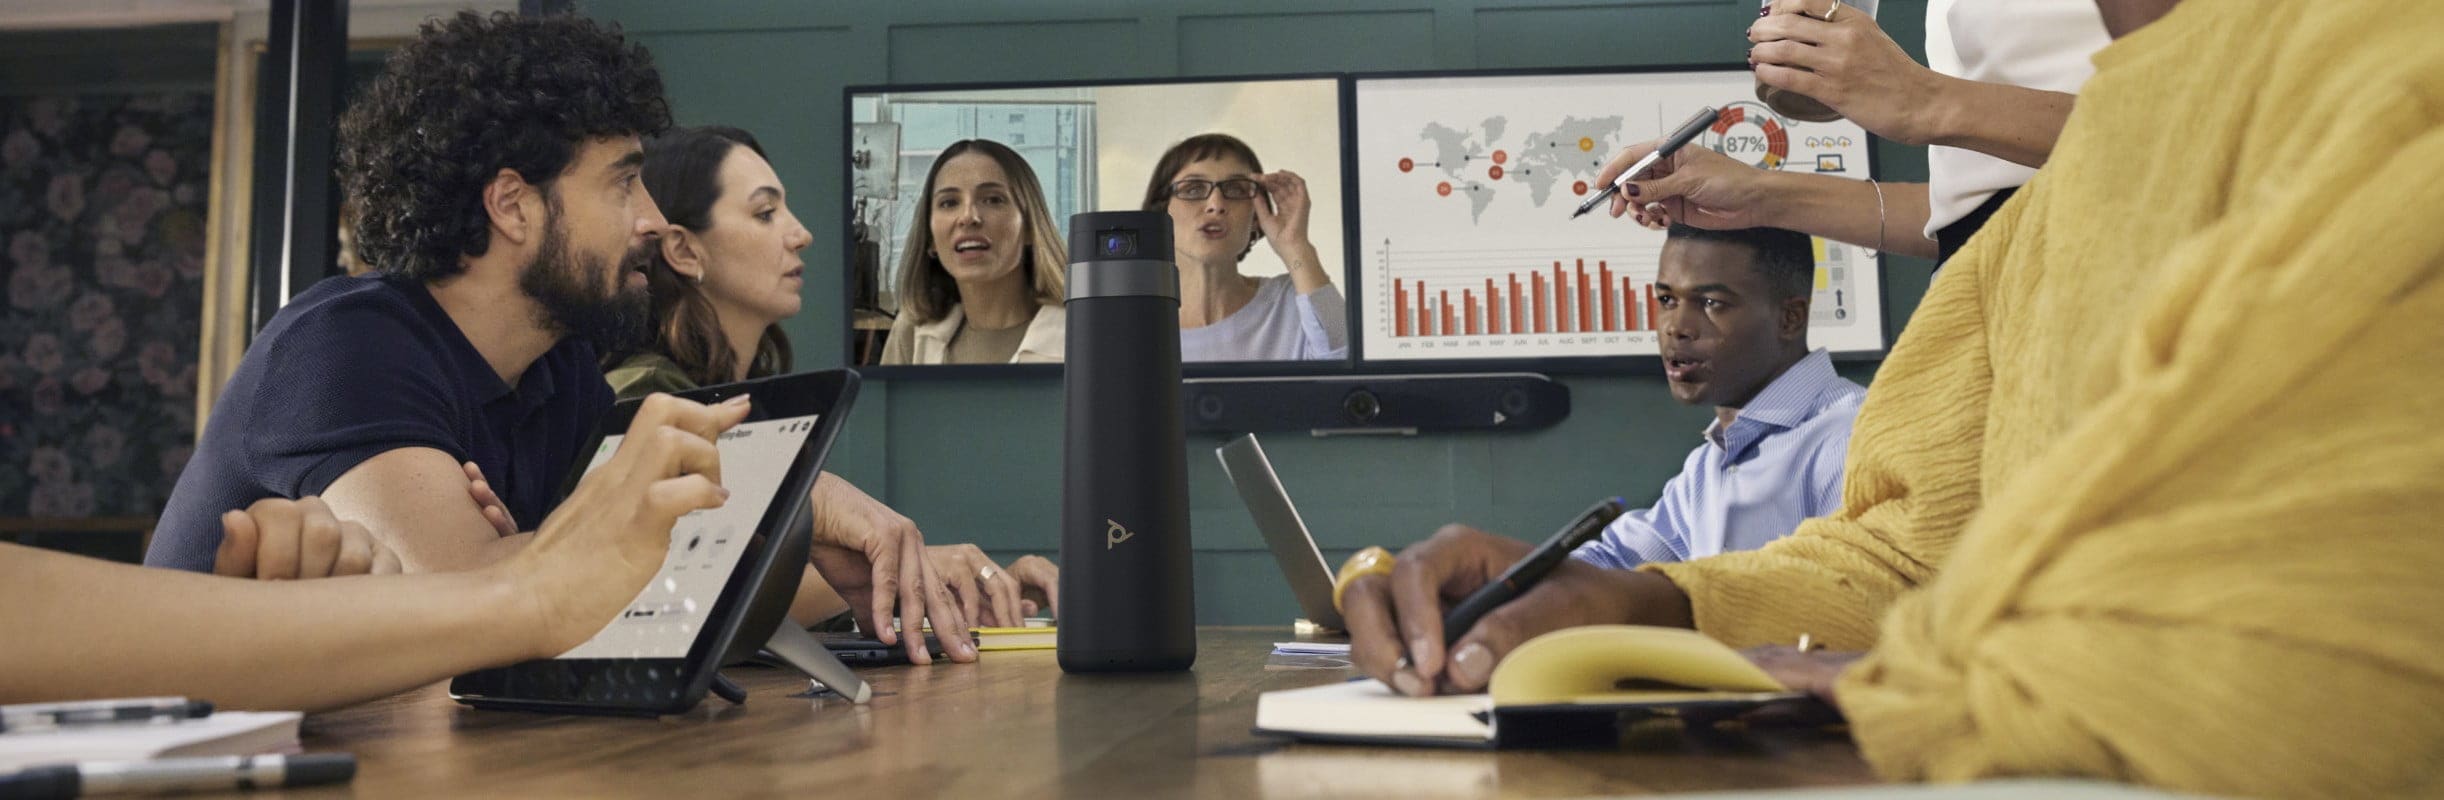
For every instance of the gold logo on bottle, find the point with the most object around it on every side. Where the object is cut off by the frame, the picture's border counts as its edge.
(1114, 535)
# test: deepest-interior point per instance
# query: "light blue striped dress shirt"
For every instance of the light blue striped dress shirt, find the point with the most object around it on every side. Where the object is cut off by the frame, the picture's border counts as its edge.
(1778, 462)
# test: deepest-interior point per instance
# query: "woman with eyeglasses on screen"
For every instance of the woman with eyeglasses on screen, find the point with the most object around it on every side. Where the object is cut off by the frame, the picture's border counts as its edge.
(726, 273)
(1221, 201)
(982, 277)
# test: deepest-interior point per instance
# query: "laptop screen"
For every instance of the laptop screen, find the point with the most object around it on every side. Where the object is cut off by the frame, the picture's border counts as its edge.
(1301, 563)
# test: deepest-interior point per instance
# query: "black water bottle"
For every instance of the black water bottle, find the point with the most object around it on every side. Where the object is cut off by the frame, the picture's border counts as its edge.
(1127, 598)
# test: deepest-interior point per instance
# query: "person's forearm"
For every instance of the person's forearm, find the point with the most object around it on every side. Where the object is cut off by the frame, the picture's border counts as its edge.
(2013, 123)
(81, 628)
(1655, 600)
(424, 556)
(1846, 210)
(415, 501)
(499, 550)
(1306, 268)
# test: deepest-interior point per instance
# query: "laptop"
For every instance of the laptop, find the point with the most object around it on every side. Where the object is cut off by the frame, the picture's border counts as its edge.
(1310, 578)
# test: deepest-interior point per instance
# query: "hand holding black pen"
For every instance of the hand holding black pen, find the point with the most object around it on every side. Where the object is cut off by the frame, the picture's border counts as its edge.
(1448, 609)
(1523, 575)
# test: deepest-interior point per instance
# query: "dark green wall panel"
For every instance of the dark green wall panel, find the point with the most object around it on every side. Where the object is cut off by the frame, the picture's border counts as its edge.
(978, 461)
(1327, 42)
(1011, 51)
(1615, 35)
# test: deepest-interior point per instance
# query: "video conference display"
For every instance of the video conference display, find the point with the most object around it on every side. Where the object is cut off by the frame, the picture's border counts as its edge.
(1088, 148)
(1463, 251)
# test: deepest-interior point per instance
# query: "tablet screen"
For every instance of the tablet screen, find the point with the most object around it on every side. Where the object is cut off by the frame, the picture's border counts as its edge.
(705, 546)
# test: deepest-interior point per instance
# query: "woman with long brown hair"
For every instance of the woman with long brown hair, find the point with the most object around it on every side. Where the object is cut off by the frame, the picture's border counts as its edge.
(982, 277)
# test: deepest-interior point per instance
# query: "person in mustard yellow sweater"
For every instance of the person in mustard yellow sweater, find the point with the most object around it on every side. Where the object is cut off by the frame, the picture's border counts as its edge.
(2149, 489)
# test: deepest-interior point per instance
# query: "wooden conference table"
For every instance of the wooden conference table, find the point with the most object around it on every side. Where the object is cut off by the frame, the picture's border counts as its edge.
(1010, 726)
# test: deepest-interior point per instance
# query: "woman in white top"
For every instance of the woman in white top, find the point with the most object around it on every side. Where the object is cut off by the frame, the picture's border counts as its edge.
(2003, 76)
(982, 278)
(1221, 201)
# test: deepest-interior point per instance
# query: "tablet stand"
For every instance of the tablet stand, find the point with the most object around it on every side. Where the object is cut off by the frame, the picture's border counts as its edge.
(792, 646)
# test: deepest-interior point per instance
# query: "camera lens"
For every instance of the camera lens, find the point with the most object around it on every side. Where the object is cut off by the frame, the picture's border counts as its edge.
(1361, 406)
(1119, 243)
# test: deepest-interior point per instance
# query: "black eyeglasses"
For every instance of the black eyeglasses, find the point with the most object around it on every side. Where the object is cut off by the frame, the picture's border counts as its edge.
(1200, 188)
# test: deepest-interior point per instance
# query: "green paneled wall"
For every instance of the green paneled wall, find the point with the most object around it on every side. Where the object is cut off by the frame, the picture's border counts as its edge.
(979, 460)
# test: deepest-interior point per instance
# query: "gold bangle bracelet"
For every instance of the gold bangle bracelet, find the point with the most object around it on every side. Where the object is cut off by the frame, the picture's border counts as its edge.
(1879, 215)
(1370, 561)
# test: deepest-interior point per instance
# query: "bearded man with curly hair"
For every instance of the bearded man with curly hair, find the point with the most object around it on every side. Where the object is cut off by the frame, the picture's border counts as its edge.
(493, 171)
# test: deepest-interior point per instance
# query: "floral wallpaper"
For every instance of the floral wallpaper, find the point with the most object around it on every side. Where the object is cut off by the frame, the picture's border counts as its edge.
(102, 212)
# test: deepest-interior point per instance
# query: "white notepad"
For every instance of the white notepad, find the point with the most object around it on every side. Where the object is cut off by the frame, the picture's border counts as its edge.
(228, 733)
(1367, 709)
(1311, 648)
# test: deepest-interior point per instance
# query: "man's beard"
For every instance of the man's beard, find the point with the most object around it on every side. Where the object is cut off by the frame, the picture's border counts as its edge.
(568, 288)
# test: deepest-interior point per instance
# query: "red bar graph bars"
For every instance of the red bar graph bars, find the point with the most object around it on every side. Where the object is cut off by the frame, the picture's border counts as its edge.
(1586, 317)
(1543, 323)
(1612, 310)
(1563, 302)
(1633, 315)
(1400, 309)
(1572, 300)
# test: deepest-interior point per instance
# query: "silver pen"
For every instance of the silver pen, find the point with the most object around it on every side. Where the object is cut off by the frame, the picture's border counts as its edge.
(1671, 144)
(215, 774)
(49, 716)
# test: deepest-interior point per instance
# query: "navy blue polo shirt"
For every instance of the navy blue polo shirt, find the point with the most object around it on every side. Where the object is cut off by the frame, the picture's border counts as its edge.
(356, 367)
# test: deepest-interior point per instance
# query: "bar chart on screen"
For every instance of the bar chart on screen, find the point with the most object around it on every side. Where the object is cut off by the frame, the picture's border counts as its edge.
(1467, 248)
(1492, 303)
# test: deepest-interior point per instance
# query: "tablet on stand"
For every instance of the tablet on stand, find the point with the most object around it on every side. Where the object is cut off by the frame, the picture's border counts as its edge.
(725, 587)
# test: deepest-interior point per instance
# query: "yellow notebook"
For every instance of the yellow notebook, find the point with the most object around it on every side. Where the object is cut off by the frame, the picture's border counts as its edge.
(992, 639)
(1572, 686)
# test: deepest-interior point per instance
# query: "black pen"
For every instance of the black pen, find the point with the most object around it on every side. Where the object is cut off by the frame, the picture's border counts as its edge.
(49, 716)
(218, 774)
(1671, 144)
(1524, 575)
